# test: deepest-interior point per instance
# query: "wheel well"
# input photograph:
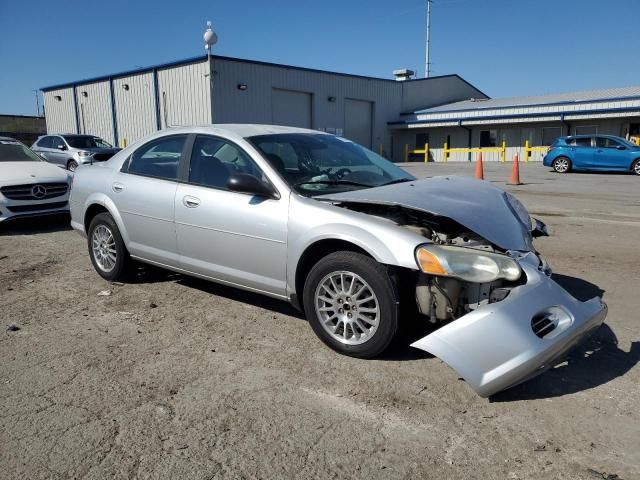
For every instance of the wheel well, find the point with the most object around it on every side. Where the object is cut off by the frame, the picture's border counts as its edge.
(91, 212)
(315, 252)
(404, 278)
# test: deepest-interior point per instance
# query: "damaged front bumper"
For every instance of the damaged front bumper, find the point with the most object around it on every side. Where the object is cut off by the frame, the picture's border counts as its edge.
(501, 344)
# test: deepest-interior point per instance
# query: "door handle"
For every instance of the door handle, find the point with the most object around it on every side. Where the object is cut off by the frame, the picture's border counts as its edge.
(190, 202)
(117, 187)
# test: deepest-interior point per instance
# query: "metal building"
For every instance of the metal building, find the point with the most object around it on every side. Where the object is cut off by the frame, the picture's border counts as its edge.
(126, 106)
(526, 125)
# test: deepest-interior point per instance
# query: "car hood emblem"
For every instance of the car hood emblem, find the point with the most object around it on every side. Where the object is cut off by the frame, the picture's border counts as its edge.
(38, 191)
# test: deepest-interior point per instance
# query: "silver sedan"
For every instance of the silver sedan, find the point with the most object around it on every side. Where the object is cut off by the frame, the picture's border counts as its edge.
(355, 242)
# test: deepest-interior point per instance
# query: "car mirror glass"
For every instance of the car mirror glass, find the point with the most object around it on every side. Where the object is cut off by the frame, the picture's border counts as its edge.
(245, 183)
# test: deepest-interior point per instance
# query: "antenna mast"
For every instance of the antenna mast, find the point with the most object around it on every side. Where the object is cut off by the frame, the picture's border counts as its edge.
(427, 63)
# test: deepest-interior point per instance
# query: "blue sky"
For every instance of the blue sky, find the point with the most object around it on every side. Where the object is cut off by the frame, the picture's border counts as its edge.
(504, 47)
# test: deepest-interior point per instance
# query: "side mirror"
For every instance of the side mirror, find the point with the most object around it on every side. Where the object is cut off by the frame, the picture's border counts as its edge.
(61, 147)
(245, 183)
(621, 147)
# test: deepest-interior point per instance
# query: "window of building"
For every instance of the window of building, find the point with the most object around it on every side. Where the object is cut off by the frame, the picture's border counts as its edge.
(550, 134)
(421, 140)
(586, 130)
(159, 158)
(214, 160)
(488, 138)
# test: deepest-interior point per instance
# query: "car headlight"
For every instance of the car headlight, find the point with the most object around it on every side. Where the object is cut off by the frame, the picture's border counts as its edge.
(519, 209)
(84, 154)
(466, 264)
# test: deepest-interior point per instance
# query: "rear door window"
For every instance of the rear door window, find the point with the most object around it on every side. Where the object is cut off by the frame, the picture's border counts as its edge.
(45, 142)
(581, 142)
(159, 158)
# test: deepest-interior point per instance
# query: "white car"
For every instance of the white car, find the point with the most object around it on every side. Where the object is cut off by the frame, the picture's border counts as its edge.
(29, 186)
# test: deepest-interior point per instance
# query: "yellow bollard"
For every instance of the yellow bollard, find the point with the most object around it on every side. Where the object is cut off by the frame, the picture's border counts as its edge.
(503, 152)
(446, 151)
(406, 153)
(426, 153)
(381, 150)
(527, 152)
(124, 143)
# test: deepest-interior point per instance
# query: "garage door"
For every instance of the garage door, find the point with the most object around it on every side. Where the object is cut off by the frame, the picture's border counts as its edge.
(291, 108)
(358, 121)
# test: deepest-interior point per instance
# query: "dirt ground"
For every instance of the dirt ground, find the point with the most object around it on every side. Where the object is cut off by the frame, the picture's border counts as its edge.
(171, 377)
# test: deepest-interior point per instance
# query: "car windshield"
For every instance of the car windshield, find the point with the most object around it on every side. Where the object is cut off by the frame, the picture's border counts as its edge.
(14, 151)
(315, 164)
(86, 142)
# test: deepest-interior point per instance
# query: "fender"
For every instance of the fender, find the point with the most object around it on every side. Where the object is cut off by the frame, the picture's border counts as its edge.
(104, 200)
(307, 226)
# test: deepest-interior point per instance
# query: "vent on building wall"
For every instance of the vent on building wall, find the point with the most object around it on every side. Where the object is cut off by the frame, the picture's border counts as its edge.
(125, 86)
(58, 98)
(85, 94)
(242, 86)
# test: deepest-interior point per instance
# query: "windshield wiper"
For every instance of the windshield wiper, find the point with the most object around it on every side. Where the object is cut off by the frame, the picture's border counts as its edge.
(397, 180)
(332, 182)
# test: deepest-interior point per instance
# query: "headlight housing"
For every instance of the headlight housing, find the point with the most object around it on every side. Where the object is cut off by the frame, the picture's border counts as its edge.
(466, 264)
(84, 154)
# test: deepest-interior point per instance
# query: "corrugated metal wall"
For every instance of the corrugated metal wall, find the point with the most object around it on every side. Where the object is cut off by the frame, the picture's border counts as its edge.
(94, 110)
(135, 107)
(514, 135)
(60, 115)
(254, 105)
(184, 95)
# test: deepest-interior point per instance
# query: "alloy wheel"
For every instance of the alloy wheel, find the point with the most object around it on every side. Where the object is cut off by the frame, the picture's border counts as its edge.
(347, 307)
(103, 246)
(561, 165)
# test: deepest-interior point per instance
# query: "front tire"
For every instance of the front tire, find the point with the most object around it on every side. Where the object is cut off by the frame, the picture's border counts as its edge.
(562, 165)
(635, 166)
(351, 303)
(72, 165)
(108, 254)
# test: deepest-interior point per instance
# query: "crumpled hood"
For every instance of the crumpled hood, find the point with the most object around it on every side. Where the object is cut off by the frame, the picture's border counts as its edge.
(477, 205)
(16, 173)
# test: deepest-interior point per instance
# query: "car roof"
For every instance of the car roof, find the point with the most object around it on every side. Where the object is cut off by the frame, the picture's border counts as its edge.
(248, 129)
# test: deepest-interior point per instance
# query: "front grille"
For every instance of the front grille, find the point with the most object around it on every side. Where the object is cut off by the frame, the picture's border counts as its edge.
(101, 157)
(26, 192)
(542, 324)
(36, 208)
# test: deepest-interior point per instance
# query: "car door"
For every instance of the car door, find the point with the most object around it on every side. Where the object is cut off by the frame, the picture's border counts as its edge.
(581, 152)
(144, 192)
(234, 237)
(58, 152)
(610, 154)
(43, 148)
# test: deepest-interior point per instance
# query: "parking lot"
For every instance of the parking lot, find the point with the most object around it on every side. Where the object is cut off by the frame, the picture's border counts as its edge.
(173, 377)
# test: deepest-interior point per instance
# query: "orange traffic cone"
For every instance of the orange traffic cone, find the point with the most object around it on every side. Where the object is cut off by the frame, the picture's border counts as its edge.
(515, 172)
(479, 168)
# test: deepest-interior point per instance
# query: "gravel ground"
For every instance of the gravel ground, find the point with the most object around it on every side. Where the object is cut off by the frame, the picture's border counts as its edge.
(172, 377)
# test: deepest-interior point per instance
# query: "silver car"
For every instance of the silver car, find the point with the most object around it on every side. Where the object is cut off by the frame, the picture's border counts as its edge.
(70, 150)
(358, 244)
(29, 186)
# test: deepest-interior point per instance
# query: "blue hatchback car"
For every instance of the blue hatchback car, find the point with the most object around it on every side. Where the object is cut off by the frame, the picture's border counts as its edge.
(593, 152)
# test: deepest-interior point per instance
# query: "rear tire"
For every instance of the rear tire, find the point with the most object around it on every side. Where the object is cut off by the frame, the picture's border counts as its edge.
(72, 165)
(107, 251)
(351, 303)
(635, 166)
(561, 165)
